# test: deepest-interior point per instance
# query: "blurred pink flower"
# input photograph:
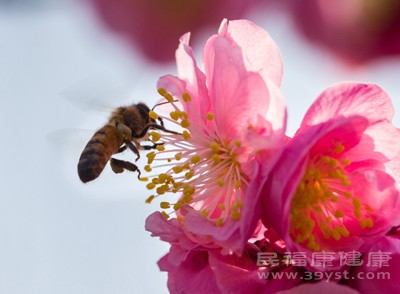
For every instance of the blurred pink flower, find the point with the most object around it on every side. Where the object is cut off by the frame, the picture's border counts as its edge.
(234, 119)
(356, 30)
(195, 267)
(332, 188)
(154, 26)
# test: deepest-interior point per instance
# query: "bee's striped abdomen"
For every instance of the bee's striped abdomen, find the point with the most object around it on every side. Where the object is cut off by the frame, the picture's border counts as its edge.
(97, 152)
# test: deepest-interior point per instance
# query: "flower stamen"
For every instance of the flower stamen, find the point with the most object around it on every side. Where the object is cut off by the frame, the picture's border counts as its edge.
(201, 166)
(324, 202)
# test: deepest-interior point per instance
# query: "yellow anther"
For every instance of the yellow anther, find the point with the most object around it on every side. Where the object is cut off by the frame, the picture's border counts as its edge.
(169, 97)
(163, 177)
(147, 168)
(155, 181)
(166, 215)
(237, 143)
(334, 198)
(313, 246)
(184, 115)
(366, 223)
(161, 190)
(221, 206)
(144, 179)
(187, 198)
(174, 115)
(339, 148)
(189, 175)
(345, 162)
(221, 182)
(155, 136)
(345, 182)
(177, 205)
(357, 213)
(342, 231)
(186, 97)
(153, 115)
(239, 203)
(218, 222)
(204, 213)
(186, 135)
(195, 159)
(185, 123)
(178, 185)
(235, 215)
(179, 218)
(188, 190)
(151, 154)
(339, 213)
(336, 235)
(150, 186)
(160, 147)
(238, 184)
(150, 199)
(210, 116)
(162, 91)
(178, 156)
(216, 158)
(357, 203)
(165, 205)
(177, 169)
(369, 223)
(347, 195)
(318, 209)
(214, 147)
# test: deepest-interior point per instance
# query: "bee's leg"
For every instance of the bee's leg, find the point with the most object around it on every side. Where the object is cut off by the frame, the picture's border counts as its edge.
(133, 148)
(121, 149)
(154, 126)
(118, 166)
(161, 121)
(149, 147)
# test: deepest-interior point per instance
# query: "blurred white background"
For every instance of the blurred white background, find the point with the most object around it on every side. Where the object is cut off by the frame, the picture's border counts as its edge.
(58, 235)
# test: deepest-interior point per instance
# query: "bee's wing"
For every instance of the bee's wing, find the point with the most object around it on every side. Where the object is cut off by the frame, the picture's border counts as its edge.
(99, 94)
(72, 140)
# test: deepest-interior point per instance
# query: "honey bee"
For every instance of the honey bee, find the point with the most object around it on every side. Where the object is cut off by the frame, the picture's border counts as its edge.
(126, 128)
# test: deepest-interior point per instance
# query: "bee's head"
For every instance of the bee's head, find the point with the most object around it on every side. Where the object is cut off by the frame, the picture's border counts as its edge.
(144, 111)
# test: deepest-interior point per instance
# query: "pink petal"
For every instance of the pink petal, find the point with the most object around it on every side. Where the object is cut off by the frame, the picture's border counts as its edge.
(232, 87)
(195, 79)
(168, 231)
(346, 99)
(383, 279)
(260, 53)
(194, 275)
(380, 141)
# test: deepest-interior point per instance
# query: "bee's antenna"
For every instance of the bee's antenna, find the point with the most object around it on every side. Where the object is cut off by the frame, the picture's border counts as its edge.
(162, 103)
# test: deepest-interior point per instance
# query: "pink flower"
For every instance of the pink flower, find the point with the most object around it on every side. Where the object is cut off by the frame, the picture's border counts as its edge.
(355, 30)
(195, 267)
(380, 270)
(332, 188)
(154, 26)
(233, 119)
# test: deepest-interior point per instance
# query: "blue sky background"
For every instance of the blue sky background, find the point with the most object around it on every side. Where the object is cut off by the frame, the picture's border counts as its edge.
(58, 235)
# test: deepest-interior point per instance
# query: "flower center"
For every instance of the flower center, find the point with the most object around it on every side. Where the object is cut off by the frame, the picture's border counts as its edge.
(324, 202)
(200, 165)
